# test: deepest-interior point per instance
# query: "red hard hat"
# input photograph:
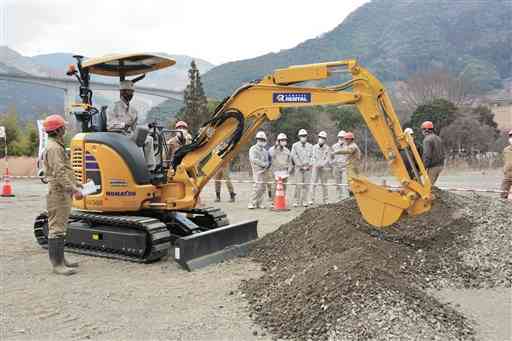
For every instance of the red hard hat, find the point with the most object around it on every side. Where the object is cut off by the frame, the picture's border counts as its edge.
(427, 125)
(181, 124)
(348, 135)
(53, 122)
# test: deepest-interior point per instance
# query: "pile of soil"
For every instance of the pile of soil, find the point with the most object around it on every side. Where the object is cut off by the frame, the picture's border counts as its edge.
(330, 275)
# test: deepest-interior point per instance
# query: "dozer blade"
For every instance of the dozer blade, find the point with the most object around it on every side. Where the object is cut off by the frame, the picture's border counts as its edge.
(202, 249)
(379, 206)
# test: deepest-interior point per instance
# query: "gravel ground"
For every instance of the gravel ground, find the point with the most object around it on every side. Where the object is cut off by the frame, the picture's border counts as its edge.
(329, 275)
(112, 300)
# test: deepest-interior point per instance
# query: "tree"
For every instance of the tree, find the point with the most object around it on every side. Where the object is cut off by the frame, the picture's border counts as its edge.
(440, 111)
(195, 111)
(21, 139)
(468, 135)
(13, 133)
(485, 116)
(32, 139)
(292, 120)
(425, 87)
(347, 118)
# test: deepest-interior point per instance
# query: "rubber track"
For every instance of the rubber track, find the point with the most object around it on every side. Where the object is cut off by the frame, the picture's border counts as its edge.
(157, 231)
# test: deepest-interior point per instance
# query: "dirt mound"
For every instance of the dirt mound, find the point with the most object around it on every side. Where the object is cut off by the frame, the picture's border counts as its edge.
(330, 275)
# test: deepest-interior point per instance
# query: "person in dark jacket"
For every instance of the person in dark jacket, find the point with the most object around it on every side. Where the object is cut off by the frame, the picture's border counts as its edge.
(433, 153)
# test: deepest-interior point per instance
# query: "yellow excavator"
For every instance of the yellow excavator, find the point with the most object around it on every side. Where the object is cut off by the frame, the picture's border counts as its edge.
(141, 215)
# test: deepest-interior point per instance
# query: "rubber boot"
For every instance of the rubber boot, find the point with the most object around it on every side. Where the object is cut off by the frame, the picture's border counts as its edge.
(217, 199)
(70, 264)
(232, 197)
(56, 253)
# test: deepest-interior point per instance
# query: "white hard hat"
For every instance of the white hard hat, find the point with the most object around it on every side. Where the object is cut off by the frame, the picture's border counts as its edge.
(261, 135)
(409, 131)
(282, 136)
(322, 134)
(126, 85)
(302, 132)
(341, 133)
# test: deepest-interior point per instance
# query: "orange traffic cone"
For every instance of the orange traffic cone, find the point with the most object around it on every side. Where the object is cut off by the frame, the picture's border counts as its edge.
(280, 203)
(7, 187)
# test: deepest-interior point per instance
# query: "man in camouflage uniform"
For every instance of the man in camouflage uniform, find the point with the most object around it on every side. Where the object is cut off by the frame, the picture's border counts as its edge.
(506, 185)
(61, 187)
(122, 118)
(353, 153)
(223, 174)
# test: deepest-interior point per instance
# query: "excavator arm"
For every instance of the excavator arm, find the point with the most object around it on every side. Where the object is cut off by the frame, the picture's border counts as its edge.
(239, 116)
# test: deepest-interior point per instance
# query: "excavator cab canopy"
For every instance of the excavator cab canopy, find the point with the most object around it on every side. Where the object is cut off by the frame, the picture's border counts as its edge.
(127, 64)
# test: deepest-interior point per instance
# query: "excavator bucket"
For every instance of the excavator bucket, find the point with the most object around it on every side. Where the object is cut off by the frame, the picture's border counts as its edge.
(379, 206)
(214, 246)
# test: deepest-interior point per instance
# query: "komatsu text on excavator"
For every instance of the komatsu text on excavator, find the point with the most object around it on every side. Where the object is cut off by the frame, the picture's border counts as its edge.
(143, 215)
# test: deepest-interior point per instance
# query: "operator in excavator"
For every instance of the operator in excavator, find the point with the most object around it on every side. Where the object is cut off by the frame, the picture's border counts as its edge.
(321, 160)
(339, 165)
(260, 163)
(302, 156)
(433, 153)
(62, 185)
(122, 118)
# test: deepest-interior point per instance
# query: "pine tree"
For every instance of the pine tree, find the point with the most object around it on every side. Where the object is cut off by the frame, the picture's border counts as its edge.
(195, 111)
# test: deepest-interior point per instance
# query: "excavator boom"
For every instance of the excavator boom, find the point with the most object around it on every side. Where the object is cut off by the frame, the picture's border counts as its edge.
(237, 119)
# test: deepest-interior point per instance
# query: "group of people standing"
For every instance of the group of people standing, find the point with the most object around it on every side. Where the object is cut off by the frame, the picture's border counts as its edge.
(310, 164)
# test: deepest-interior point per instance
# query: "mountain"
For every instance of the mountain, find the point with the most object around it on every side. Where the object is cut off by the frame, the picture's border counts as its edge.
(395, 39)
(57, 62)
(31, 100)
(24, 64)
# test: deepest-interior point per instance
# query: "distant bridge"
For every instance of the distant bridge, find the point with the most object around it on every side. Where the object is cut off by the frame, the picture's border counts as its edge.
(70, 87)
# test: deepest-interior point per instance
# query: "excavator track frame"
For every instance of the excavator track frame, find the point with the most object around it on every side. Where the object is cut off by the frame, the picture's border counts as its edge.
(155, 230)
(195, 237)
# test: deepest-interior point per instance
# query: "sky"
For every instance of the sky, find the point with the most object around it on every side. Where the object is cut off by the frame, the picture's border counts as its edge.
(217, 31)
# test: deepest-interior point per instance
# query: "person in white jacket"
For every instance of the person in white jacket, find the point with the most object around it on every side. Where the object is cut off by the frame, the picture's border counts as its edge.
(339, 166)
(281, 159)
(321, 163)
(302, 154)
(260, 162)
